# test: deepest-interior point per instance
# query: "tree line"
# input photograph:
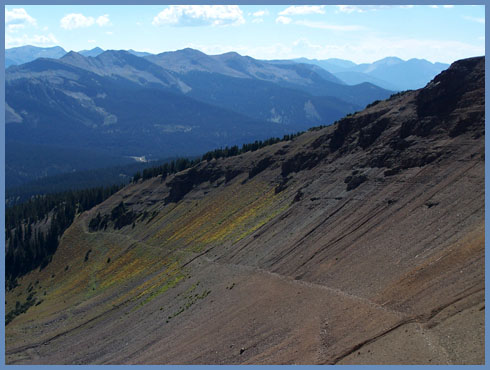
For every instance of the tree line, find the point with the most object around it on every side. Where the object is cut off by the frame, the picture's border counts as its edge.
(181, 164)
(33, 228)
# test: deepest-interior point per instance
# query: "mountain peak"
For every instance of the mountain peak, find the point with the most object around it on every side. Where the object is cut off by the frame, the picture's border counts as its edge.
(72, 55)
(92, 52)
(389, 61)
(230, 54)
(115, 55)
(188, 51)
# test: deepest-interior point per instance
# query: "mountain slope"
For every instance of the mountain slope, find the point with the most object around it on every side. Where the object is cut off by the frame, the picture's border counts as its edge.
(362, 242)
(354, 78)
(259, 90)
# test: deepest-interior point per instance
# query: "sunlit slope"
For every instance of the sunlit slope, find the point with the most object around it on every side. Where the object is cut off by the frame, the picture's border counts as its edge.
(357, 243)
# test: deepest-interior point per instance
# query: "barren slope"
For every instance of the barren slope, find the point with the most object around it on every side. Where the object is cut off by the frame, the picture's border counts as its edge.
(362, 242)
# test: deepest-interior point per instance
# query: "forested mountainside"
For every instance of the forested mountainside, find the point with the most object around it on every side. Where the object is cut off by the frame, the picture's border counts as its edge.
(360, 242)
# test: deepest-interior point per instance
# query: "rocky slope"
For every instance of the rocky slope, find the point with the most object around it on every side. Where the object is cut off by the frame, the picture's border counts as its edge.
(362, 242)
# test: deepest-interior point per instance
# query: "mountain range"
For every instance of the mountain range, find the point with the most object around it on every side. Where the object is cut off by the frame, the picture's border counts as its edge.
(390, 73)
(362, 242)
(120, 105)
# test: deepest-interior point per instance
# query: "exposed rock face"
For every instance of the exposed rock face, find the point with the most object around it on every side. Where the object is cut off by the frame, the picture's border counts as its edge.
(185, 181)
(362, 242)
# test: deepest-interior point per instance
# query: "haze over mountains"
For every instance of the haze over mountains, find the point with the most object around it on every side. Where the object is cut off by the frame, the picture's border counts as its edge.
(390, 73)
(358, 243)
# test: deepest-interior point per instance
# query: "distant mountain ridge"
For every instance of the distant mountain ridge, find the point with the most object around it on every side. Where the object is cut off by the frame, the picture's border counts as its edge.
(24, 54)
(390, 73)
(28, 53)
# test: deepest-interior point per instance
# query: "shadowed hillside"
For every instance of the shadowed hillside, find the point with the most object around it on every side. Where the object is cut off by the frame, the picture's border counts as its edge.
(358, 243)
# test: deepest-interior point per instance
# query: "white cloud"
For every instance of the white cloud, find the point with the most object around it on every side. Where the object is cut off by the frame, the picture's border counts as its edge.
(103, 20)
(76, 20)
(91, 41)
(303, 9)
(364, 8)
(36, 40)
(475, 19)
(18, 16)
(319, 25)
(349, 8)
(283, 20)
(305, 44)
(200, 15)
(257, 20)
(109, 33)
(442, 6)
(260, 13)
(15, 27)
(367, 8)
(326, 26)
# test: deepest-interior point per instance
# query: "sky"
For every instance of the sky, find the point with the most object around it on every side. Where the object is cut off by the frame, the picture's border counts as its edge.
(362, 34)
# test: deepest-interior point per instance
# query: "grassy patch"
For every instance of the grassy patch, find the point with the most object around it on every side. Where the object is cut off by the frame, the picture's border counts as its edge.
(170, 284)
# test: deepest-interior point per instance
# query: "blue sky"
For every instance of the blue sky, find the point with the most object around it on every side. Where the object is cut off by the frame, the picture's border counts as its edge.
(441, 33)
